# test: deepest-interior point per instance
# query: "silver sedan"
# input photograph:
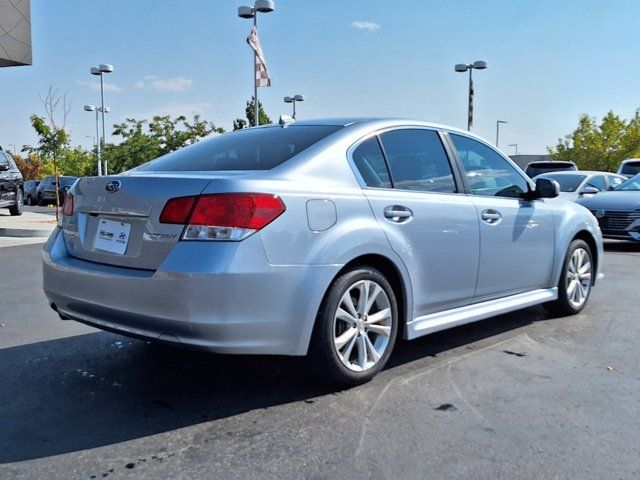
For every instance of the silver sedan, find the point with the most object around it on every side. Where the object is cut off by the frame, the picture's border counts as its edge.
(330, 238)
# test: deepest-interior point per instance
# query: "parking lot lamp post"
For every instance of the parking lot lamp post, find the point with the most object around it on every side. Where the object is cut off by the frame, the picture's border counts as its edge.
(260, 6)
(514, 145)
(498, 122)
(92, 108)
(100, 71)
(293, 100)
(462, 67)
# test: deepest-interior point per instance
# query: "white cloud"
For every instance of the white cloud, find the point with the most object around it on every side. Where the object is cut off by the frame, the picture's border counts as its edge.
(176, 84)
(362, 25)
(108, 87)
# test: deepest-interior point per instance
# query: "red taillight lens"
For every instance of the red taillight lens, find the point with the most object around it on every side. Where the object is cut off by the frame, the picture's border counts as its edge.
(237, 210)
(177, 210)
(67, 208)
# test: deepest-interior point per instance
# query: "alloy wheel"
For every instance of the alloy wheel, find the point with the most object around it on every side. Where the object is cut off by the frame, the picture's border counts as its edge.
(362, 325)
(578, 277)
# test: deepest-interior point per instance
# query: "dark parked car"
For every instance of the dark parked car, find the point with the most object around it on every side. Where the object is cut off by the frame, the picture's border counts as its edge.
(534, 169)
(30, 192)
(46, 191)
(617, 211)
(11, 185)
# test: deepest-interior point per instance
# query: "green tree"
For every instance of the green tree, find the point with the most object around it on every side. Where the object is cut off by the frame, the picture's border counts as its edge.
(144, 140)
(600, 146)
(240, 123)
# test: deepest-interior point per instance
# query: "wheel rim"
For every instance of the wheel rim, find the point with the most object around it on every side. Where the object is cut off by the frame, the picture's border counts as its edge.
(362, 325)
(578, 277)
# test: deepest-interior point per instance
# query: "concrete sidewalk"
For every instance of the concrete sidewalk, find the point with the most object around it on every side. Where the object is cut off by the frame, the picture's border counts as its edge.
(29, 224)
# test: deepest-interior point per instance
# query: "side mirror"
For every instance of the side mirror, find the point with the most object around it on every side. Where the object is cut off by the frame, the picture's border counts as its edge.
(4, 167)
(546, 188)
(590, 190)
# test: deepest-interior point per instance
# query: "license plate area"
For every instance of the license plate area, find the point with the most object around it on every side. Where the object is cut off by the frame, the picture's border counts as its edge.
(112, 236)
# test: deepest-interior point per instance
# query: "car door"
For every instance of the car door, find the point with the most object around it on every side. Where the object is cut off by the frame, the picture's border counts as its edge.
(430, 225)
(516, 235)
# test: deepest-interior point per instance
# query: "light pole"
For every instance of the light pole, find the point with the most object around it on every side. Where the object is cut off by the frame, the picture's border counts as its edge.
(293, 100)
(100, 70)
(260, 6)
(498, 122)
(514, 145)
(462, 67)
(92, 108)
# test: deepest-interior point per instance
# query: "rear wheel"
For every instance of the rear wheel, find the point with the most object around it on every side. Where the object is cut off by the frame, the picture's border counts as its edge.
(40, 201)
(356, 327)
(29, 200)
(18, 207)
(576, 280)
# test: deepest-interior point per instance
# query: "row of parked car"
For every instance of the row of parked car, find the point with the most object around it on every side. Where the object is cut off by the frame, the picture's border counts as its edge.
(613, 198)
(15, 192)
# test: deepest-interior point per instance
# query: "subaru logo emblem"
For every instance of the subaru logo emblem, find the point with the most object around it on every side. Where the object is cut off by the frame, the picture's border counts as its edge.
(600, 213)
(113, 186)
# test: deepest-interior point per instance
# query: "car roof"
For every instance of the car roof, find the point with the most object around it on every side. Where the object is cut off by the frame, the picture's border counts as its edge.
(550, 162)
(578, 172)
(630, 160)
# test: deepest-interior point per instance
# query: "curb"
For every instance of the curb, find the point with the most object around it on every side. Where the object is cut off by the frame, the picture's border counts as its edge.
(24, 232)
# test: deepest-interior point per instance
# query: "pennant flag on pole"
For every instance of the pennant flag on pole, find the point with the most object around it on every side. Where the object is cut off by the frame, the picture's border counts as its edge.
(262, 74)
(470, 120)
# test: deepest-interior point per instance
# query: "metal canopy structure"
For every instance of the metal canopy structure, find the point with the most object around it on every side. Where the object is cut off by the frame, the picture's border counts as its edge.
(15, 33)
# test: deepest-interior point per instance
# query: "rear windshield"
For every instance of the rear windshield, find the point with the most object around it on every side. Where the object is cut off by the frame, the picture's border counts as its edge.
(254, 149)
(568, 183)
(630, 168)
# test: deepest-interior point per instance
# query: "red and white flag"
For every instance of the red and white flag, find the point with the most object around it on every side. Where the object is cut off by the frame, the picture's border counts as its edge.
(470, 119)
(262, 74)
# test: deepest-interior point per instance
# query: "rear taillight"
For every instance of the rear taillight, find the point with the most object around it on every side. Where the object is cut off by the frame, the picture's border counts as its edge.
(224, 216)
(67, 208)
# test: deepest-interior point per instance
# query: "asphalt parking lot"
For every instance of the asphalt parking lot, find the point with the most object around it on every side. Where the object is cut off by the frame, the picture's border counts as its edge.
(520, 396)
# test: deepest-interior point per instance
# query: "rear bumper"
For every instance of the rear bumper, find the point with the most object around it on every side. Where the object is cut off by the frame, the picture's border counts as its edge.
(222, 296)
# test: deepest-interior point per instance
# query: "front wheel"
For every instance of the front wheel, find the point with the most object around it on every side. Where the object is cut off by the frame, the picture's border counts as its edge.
(356, 327)
(576, 280)
(18, 207)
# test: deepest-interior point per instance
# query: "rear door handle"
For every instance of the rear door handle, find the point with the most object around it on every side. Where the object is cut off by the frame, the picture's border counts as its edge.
(491, 217)
(398, 213)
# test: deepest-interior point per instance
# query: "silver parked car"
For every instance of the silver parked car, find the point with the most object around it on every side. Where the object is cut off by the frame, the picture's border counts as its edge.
(330, 238)
(574, 185)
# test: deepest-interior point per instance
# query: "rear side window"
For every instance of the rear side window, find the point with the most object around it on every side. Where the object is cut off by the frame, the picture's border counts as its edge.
(259, 149)
(614, 181)
(370, 163)
(417, 161)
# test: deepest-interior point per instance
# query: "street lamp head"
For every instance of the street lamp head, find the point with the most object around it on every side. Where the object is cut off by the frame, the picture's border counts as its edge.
(288, 99)
(264, 6)
(502, 121)
(461, 67)
(298, 98)
(479, 64)
(106, 109)
(95, 71)
(89, 108)
(245, 12)
(104, 68)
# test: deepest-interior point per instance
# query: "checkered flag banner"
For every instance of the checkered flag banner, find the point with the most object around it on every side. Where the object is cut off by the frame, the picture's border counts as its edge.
(470, 120)
(262, 74)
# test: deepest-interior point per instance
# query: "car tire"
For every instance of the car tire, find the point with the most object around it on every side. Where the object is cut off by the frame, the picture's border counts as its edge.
(29, 201)
(40, 201)
(17, 209)
(348, 345)
(576, 280)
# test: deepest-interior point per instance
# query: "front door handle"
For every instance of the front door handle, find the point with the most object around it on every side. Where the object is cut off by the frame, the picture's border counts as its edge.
(398, 213)
(491, 217)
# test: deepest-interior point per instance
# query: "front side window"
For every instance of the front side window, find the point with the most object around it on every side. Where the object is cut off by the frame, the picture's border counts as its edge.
(487, 172)
(599, 182)
(417, 161)
(369, 161)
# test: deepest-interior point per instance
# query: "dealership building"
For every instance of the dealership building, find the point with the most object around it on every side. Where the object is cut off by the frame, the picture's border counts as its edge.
(15, 33)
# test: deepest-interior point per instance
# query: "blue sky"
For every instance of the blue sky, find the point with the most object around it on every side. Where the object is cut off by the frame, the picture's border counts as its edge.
(549, 62)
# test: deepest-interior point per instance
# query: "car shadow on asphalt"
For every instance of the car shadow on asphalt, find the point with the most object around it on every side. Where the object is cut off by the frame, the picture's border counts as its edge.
(621, 246)
(98, 389)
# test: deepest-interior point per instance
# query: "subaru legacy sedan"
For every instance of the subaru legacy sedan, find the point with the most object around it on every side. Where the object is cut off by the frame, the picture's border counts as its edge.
(327, 238)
